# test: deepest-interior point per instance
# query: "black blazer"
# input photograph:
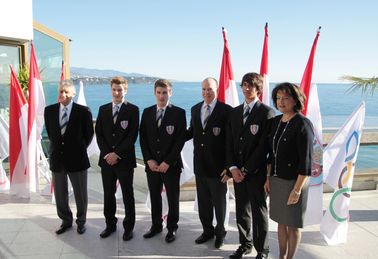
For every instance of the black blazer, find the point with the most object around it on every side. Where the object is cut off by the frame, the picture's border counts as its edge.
(69, 152)
(209, 158)
(247, 147)
(163, 144)
(295, 150)
(119, 137)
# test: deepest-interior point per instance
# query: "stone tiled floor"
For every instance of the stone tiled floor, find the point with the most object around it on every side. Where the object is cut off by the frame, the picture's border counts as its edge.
(27, 230)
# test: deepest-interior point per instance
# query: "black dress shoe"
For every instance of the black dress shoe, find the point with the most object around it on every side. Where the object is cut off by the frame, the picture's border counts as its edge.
(203, 238)
(152, 232)
(219, 242)
(107, 232)
(170, 237)
(127, 235)
(261, 256)
(62, 229)
(242, 250)
(81, 229)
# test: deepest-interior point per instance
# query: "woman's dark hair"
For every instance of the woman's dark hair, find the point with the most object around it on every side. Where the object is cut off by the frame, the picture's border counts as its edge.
(294, 91)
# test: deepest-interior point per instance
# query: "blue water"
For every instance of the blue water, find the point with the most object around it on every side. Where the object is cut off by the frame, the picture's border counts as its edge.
(336, 104)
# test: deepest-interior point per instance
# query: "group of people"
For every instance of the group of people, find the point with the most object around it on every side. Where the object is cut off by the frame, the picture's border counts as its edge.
(263, 154)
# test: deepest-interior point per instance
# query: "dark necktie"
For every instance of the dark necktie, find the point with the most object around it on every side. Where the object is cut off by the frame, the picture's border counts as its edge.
(206, 116)
(245, 114)
(64, 121)
(159, 117)
(115, 113)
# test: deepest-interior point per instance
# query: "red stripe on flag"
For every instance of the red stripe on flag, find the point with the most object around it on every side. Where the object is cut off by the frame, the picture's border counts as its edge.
(264, 59)
(226, 70)
(307, 75)
(16, 102)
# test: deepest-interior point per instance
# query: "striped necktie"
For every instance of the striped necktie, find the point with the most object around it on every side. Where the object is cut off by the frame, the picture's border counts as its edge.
(64, 121)
(245, 114)
(206, 116)
(159, 117)
(115, 113)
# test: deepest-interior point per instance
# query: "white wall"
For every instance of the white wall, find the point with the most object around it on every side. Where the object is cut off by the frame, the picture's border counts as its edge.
(16, 19)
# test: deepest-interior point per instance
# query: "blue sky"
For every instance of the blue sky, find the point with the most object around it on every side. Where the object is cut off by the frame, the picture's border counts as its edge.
(182, 40)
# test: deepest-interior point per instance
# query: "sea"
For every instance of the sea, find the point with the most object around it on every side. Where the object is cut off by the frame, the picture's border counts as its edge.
(337, 103)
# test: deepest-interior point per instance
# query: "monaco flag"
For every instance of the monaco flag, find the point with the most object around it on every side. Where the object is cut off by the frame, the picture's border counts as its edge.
(228, 94)
(4, 153)
(339, 158)
(265, 96)
(227, 87)
(314, 211)
(18, 112)
(37, 105)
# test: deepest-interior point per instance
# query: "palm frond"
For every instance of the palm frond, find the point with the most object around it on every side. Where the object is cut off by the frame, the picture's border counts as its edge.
(364, 84)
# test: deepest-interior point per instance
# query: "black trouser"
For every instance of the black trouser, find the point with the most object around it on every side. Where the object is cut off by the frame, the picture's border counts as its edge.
(79, 185)
(109, 180)
(211, 195)
(250, 200)
(171, 181)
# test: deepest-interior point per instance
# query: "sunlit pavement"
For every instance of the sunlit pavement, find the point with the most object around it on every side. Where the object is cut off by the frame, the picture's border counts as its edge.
(27, 230)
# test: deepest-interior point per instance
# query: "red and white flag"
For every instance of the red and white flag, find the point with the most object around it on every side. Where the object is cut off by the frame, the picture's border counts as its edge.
(265, 96)
(36, 109)
(227, 87)
(4, 153)
(18, 119)
(228, 94)
(311, 110)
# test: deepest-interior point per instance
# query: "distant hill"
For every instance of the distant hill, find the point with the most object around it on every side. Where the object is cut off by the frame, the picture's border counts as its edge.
(99, 76)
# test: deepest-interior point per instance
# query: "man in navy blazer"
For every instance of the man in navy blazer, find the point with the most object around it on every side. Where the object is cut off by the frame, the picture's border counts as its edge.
(69, 127)
(208, 127)
(162, 137)
(247, 158)
(116, 131)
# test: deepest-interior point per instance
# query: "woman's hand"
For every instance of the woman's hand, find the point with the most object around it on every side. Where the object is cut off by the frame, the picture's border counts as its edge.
(293, 197)
(267, 185)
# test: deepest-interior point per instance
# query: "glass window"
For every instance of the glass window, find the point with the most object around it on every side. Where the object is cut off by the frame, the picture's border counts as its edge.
(9, 55)
(49, 52)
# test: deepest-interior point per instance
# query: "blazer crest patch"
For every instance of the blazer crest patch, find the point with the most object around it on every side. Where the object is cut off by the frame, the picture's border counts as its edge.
(254, 128)
(124, 124)
(170, 129)
(216, 131)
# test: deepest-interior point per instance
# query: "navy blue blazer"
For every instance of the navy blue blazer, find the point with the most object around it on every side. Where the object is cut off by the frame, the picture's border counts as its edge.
(163, 144)
(209, 158)
(69, 151)
(247, 143)
(119, 137)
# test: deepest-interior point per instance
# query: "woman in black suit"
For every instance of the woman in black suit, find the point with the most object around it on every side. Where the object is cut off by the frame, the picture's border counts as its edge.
(290, 142)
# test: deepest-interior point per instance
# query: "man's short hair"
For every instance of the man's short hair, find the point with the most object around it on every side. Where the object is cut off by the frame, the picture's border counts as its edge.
(207, 79)
(163, 83)
(67, 83)
(119, 80)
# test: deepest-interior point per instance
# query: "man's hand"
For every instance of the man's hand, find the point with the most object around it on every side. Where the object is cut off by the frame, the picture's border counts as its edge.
(153, 165)
(224, 176)
(111, 158)
(237, 175)
(163, 167)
